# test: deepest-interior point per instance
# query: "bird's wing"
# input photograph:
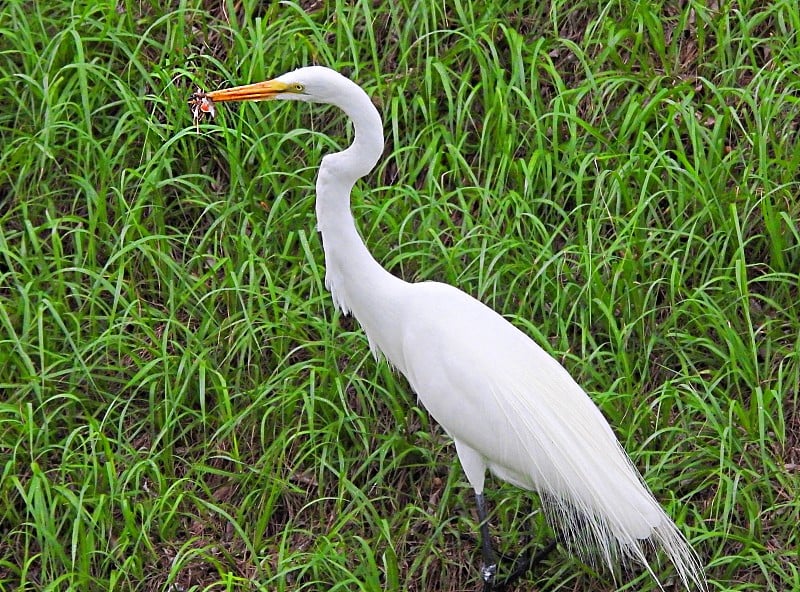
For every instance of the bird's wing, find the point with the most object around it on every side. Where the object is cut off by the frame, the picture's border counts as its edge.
(496, 391)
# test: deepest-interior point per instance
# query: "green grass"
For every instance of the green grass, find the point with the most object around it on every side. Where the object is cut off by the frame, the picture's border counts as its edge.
(181, 408)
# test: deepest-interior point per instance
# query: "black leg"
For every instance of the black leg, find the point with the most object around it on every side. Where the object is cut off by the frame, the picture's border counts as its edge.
(521, 565)
(526, 563)
(489, 567)
(523, 562)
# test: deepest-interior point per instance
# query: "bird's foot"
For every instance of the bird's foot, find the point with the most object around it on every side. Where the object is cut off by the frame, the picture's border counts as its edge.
(488, 573)
(523, 564)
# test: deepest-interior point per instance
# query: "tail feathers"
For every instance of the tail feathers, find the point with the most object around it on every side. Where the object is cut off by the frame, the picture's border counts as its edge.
(630, 535)
(588, 484)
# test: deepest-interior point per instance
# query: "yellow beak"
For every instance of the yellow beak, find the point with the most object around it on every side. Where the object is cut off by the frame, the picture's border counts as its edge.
(260, 91)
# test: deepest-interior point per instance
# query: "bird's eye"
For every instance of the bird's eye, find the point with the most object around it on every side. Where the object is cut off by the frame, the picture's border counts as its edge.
(299, 87)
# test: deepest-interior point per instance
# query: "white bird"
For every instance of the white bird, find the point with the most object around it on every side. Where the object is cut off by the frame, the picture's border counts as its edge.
(508, 405)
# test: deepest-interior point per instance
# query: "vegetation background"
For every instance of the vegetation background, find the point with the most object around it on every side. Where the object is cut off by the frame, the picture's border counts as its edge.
(182, 410)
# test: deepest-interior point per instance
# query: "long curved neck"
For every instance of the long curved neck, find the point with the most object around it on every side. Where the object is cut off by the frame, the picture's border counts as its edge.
(358, 284)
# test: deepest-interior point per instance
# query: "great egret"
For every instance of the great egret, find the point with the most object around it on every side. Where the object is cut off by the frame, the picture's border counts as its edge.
(507, 404)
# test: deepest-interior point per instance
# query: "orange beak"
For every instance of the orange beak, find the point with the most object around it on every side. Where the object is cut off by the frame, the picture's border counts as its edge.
(260, 91)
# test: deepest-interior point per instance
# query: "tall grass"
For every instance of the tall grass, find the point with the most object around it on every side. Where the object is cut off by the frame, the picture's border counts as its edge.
(181, 408)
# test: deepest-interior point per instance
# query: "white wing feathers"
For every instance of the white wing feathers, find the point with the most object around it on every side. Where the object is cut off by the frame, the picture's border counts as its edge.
(513, 409)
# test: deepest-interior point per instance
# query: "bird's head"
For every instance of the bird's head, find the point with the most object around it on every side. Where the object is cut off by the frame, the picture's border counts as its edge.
(315, 84)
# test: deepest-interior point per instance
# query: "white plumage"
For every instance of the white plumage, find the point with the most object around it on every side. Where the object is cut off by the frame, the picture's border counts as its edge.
(507, 404)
